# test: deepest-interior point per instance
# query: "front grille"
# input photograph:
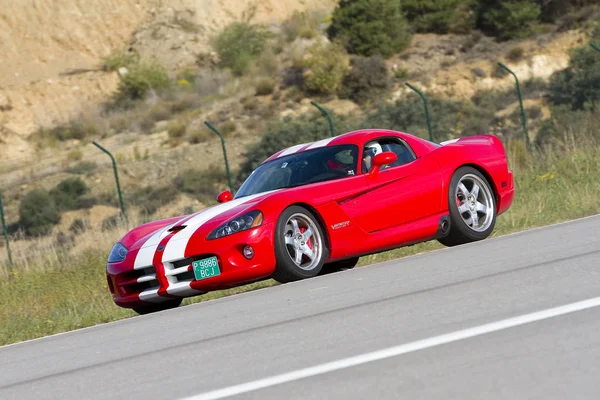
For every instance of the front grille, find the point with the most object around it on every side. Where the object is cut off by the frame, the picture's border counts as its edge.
(138, 280)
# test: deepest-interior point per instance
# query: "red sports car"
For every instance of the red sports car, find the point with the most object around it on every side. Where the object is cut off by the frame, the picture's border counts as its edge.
(315, 208)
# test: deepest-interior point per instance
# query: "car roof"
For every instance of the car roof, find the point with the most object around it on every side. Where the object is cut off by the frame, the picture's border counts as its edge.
(355, 137)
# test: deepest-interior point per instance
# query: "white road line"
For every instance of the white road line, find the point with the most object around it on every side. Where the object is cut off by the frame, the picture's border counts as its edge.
(396, 350)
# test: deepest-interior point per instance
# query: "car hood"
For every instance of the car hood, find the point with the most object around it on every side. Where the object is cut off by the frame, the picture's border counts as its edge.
(186, 226)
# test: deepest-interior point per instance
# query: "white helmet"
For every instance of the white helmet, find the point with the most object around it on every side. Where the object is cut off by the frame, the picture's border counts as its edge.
(372, 149)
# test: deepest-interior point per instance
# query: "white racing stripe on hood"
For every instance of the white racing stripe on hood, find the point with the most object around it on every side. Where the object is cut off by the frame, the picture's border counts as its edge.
(320, 143)
(146, 253)
(291, 150)
(175, 249)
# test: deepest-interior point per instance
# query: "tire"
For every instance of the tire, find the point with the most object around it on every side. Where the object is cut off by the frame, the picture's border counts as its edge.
(470, 195)
(294, 248)
(338, 266)
(152, 308)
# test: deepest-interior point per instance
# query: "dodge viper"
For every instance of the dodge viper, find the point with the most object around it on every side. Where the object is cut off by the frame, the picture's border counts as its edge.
(316, 208)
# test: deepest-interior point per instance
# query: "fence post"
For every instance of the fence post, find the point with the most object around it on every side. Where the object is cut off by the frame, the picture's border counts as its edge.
(114, 164)
(215, 130)
(595, 47)
(5, 231)
(326, 114)
(426, 109)
(523, 116)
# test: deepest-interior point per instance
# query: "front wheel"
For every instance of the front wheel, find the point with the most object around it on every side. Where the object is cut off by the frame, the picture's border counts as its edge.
(472, 207)
(300, 248)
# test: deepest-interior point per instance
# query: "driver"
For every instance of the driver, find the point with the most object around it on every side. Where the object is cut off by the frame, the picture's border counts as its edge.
(371, 150)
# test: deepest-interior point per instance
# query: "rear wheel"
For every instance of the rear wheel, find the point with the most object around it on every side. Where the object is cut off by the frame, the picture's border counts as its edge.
(472, 207)
(152, 308)
(300, 248)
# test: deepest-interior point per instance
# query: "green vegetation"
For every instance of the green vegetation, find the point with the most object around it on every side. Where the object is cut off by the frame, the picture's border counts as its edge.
(38, 213)
(202, 184)
(510, 19)
(40, 210)
(579, 85)
(265, 87)
(151, 198)
(239, 44)
(370, 27)
(325, 68)
(140, 79)
(67, 193)
(441, 16)
(118, 60)
(366, 80)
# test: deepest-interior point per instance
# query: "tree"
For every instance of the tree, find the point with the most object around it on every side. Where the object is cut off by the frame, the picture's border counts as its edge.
(509, 19)
(441, 16)
(370, 27)
(579, 84)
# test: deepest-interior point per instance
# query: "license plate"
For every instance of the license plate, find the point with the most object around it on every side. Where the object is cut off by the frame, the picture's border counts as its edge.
(206, 268)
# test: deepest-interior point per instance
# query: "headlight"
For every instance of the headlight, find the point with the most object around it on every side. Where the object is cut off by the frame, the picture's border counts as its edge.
(246, 221)
(118, 253)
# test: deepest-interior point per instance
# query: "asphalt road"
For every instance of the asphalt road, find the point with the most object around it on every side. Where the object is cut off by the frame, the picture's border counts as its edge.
(467, 322)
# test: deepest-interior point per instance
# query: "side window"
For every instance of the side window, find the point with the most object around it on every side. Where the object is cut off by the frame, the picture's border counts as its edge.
(404, 153)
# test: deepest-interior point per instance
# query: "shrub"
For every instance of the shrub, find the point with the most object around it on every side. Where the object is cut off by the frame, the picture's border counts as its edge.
(141, 79)
(176, 130)
(325, 67)
(67, 193)
(239, 44)
(83, 167)
(304, 24)
(38, 213)
(228, 127)
(265, 87)
(366, 79)
(199, 136)
(117, 60)
(75, 155)
(579, 84)
(150, 198)
(515, 54)
(441, 16)
(510, 19)
(401, 74)
(370, 27)
(204, 185)
(569, 126)
(78, 226)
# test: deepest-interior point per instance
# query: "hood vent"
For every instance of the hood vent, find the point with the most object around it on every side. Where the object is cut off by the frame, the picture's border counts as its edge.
(177, 228)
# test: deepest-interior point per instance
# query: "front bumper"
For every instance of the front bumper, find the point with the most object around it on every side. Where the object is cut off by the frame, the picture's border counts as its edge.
(164, 280)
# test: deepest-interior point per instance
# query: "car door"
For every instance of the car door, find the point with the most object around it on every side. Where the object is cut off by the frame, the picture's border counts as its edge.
(405, 191)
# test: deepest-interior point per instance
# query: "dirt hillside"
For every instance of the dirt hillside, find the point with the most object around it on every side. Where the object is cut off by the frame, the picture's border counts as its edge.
(50, 50)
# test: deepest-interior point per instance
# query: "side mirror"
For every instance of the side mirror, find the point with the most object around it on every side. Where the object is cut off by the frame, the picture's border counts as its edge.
(382, 159)
(224, 197)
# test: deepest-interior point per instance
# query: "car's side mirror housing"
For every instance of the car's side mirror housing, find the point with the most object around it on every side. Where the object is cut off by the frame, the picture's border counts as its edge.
(381, 159)
(224, 197)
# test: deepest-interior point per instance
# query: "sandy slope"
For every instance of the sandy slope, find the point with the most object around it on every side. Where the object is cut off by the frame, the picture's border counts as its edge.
(41, 41)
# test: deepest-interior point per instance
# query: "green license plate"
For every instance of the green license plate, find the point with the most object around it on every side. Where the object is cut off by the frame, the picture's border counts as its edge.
(206, 268)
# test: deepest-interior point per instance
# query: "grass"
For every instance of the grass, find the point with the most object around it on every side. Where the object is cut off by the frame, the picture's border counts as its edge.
(56, 290)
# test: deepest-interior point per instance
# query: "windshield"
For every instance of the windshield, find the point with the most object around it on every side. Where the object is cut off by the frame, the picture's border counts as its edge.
(322, 164)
